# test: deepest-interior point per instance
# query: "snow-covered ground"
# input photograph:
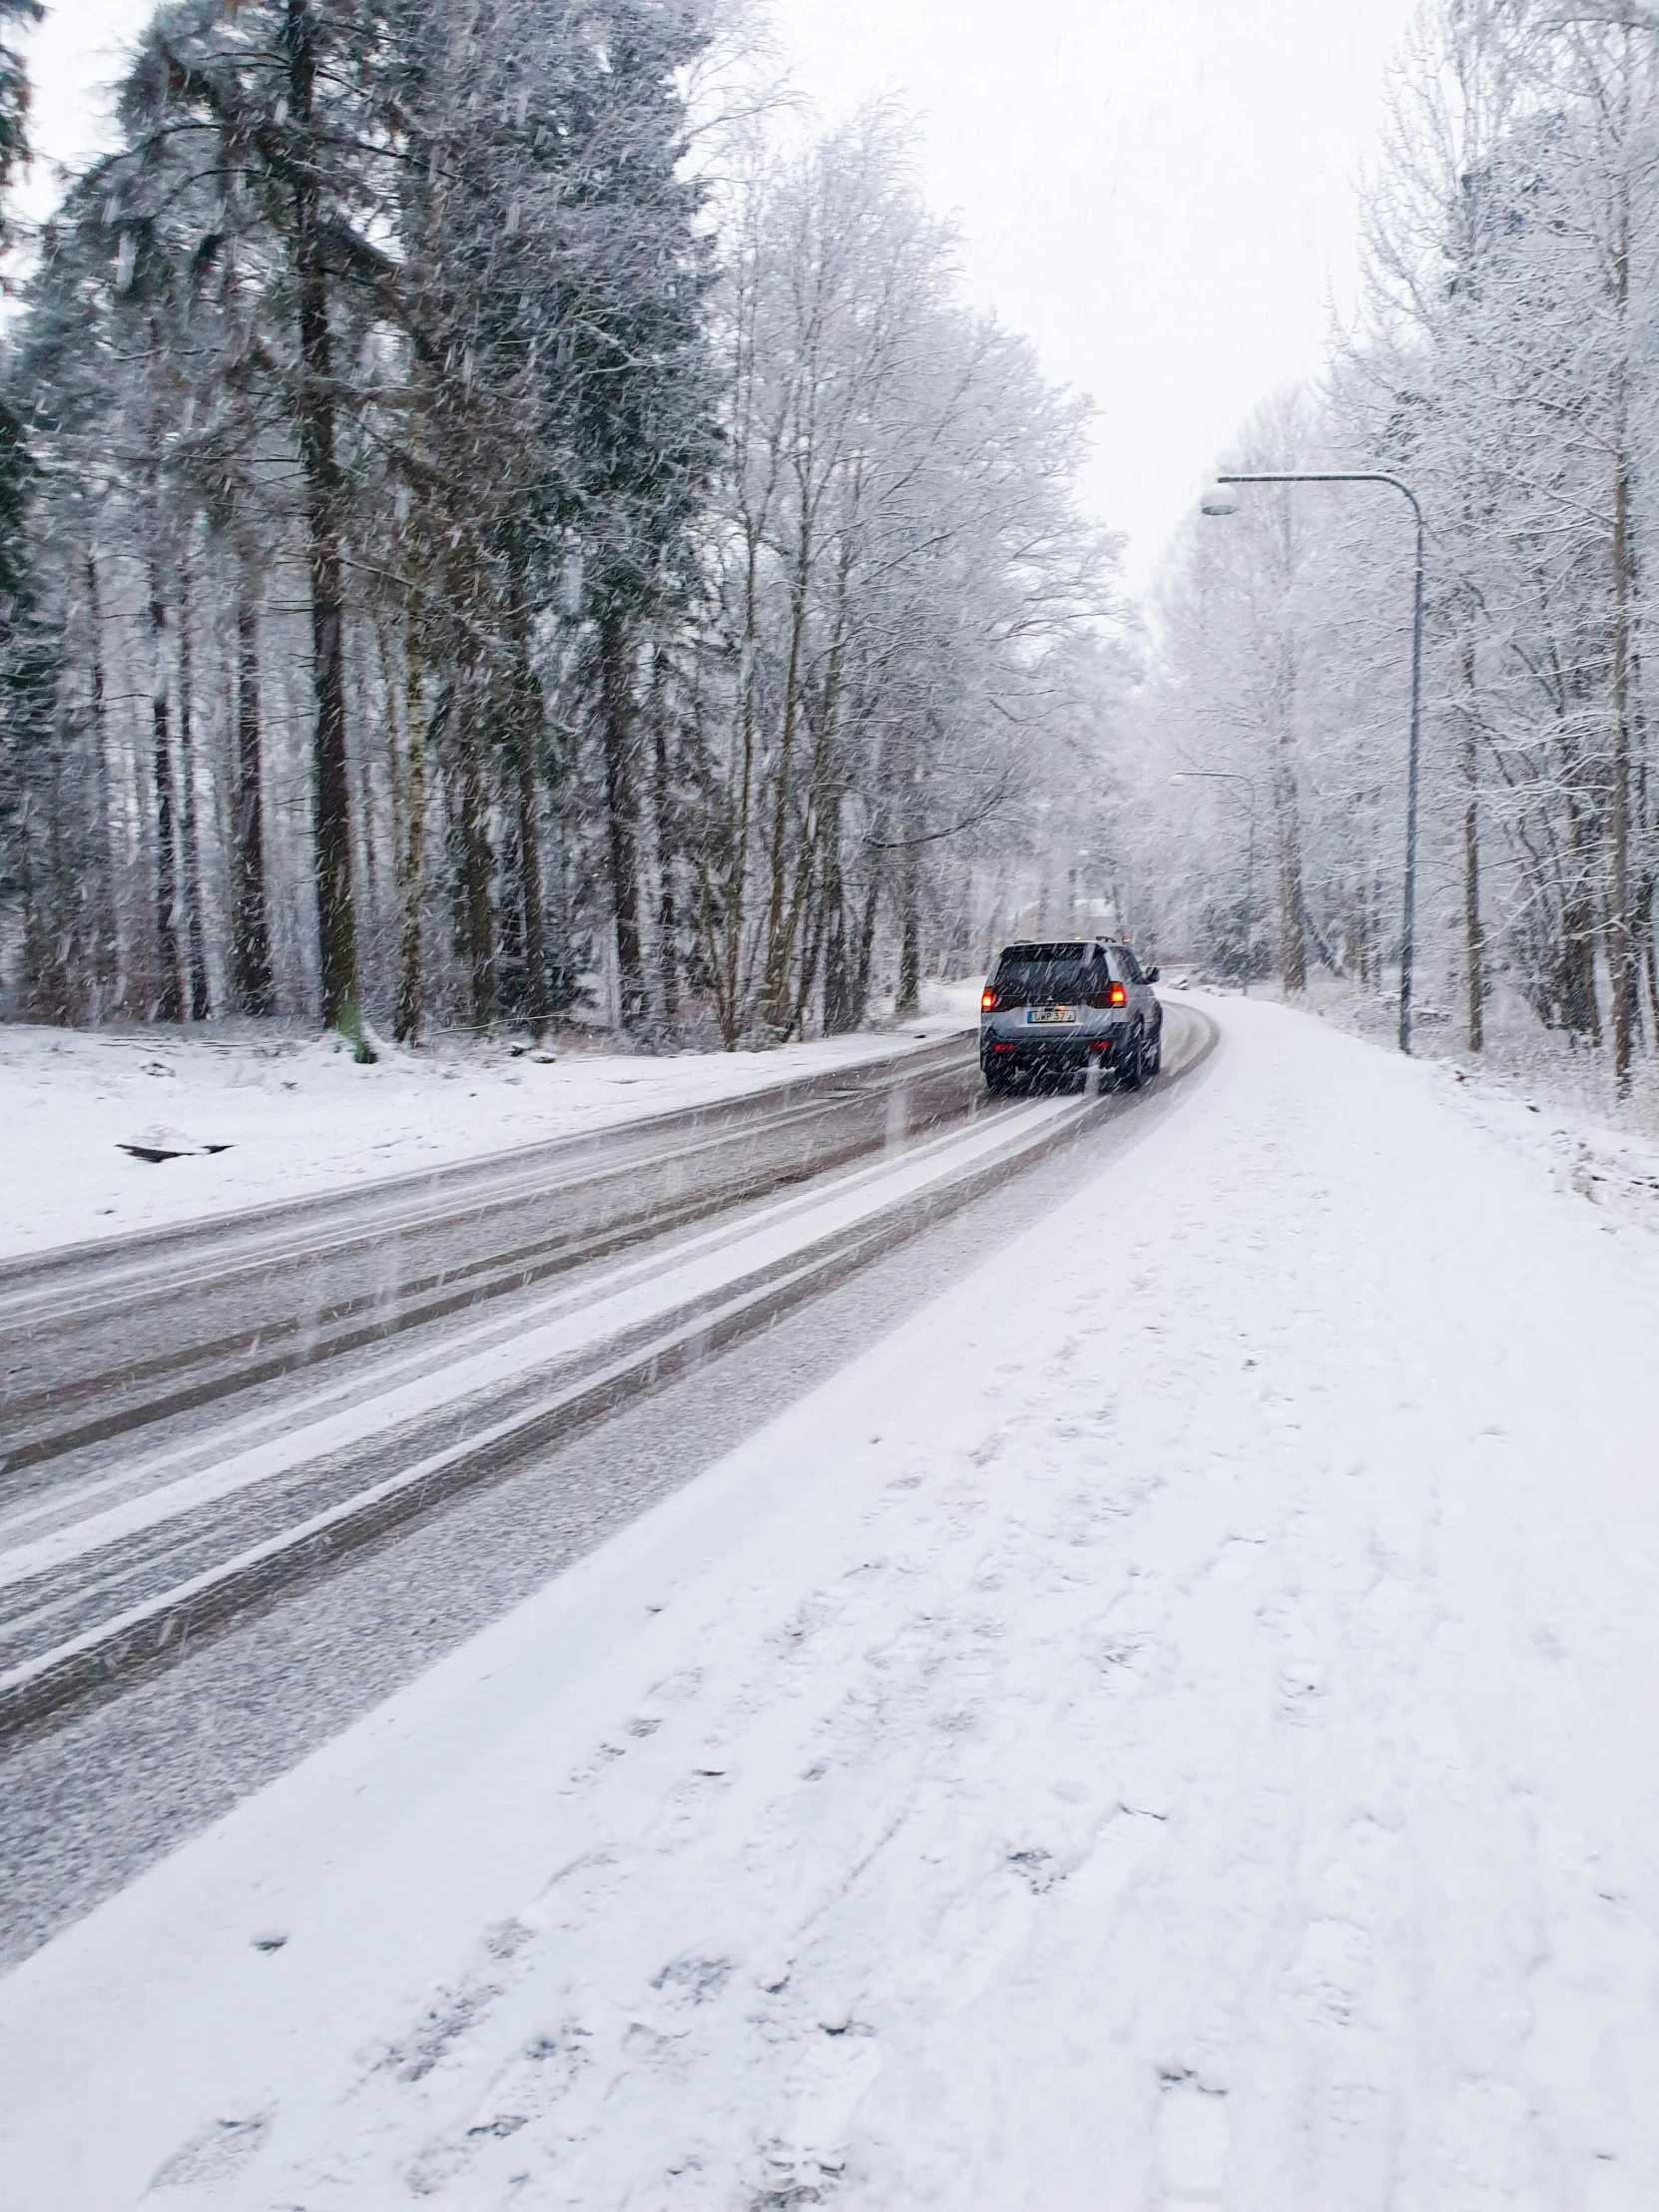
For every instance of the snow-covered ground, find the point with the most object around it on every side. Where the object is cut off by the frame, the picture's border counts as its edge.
(1548, 1091)
(1172, 1728)
(296, 1114)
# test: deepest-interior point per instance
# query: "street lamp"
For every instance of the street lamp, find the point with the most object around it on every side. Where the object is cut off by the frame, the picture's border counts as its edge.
(1227, 775)
(1220, 500)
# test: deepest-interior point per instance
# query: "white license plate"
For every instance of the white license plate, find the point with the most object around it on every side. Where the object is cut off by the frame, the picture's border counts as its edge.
(1049, 1017)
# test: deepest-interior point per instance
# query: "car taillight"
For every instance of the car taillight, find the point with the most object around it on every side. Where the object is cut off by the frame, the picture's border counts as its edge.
(1100, 1045)
(1113, 995)
(987, 999)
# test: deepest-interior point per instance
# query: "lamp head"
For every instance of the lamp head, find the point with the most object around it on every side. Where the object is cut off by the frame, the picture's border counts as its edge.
(1219, 499)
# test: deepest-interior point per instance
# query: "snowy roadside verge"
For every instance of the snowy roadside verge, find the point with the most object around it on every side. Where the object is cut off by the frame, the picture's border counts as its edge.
(1546, 1094)
(1166, 1729)
(299, 1117)
(1615, 1169)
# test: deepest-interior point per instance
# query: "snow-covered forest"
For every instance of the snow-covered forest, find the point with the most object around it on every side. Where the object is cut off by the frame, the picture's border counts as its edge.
(1505, 366)
(498, 517)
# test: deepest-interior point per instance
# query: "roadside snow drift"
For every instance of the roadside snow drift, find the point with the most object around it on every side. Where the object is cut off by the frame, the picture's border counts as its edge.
(1173, 1728)
(107, 1130)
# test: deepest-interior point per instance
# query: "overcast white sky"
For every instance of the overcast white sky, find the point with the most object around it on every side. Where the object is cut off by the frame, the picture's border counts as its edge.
(1160, 192)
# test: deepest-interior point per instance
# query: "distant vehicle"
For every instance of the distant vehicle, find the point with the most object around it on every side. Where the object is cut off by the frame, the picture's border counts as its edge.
(1053, 1009)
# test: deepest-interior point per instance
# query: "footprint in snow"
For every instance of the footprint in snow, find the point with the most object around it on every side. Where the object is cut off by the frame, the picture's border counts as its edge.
(212, 2154)
(1192, 2136)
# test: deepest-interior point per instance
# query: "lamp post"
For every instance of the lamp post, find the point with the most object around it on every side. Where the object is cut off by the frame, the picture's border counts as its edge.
(1220, 501)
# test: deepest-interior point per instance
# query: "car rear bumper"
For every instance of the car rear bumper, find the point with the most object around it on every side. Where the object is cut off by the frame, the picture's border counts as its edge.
(1022, 1055)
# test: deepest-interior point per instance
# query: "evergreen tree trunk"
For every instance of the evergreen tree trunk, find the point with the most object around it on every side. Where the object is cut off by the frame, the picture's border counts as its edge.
(477, 862)
(62, 962)
(314, 413)
(526, 712)
(170, 1003)
(107, 934)
(529, 850)
(191, 853)
(411, 859)
(531, 907)
(365, 861)
(249, 927)
(668, 959)
(617, 712)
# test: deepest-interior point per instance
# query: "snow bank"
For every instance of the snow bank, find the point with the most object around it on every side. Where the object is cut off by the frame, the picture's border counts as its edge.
(296, 1114)
(1169, 1729)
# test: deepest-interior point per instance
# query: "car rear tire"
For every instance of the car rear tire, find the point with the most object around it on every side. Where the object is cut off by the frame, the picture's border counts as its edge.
(1133, 1070)
(1154, 1059)
(998, 1081)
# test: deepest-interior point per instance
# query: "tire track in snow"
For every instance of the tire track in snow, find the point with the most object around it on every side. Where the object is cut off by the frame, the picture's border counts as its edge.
(1181, 1742)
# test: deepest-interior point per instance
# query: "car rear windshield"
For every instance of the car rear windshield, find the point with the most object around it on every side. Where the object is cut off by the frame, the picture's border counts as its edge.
(1049, 975)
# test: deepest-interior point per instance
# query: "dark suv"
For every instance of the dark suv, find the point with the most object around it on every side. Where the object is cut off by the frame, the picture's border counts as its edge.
(1053, 1008)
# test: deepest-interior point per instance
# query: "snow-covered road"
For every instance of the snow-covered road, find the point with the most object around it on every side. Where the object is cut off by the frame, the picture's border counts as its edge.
(1173, 1726)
